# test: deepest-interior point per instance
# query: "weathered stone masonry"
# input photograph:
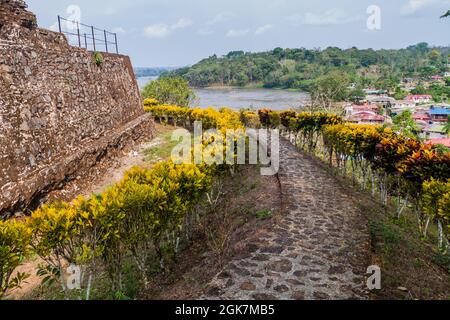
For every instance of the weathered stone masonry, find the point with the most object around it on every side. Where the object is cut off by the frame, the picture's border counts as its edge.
(59, 112)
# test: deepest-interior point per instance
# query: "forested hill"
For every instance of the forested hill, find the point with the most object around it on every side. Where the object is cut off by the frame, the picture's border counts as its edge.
(299, 68)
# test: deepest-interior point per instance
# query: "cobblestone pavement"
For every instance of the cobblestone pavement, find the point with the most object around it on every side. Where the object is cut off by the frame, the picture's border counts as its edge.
(317, 249)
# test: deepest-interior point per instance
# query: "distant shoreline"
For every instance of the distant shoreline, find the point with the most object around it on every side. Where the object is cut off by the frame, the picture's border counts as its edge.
(224, 87)
(250, 87)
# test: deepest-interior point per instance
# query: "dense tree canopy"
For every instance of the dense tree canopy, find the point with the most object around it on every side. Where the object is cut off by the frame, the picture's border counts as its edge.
(301, 68)
(174, 91)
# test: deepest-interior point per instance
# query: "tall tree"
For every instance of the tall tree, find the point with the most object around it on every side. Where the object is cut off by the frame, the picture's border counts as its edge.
(405, 124)
(170, 91)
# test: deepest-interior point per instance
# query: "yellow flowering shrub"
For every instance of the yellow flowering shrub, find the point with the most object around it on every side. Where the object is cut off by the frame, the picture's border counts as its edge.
(14, 247)
(151, 102)
(436, 200)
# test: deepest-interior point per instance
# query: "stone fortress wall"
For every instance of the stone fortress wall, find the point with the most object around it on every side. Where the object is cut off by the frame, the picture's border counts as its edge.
(60, 112)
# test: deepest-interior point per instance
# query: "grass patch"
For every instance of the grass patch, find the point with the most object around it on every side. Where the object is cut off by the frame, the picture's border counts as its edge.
(263, 214)
(406, 259)
(162, 150)
(442, 260)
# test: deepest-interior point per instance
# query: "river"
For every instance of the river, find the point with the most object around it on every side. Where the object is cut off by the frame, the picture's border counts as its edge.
(239, 98)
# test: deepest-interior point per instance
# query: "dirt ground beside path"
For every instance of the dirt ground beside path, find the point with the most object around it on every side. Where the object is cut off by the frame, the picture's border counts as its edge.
(111, 170)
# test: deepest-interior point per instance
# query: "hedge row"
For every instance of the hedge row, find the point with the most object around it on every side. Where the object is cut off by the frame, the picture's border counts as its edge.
(210, 118)
(372, 155)
(147, 213)
(130, 218)
(402, 167)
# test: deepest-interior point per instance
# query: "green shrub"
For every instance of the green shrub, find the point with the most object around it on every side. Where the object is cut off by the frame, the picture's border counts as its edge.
(14, 239)
(98, 58)
(175, 91)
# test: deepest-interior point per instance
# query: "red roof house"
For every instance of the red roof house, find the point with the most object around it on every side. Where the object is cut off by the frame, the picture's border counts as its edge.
(421, 116)
(366, 117)
(443, 141)
(419, 98)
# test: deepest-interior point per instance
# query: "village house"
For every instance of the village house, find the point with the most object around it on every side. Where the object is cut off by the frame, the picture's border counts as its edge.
(434, 131)
(373, 91)
(422, 116)
(442, 141)
(367, 117)
(402, 105)
(383, 100)
(354, 108)
(437, 78)
(419, 98)
(439, 114)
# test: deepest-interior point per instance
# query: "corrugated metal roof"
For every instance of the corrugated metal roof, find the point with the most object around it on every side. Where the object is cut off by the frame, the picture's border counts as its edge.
(436, 111)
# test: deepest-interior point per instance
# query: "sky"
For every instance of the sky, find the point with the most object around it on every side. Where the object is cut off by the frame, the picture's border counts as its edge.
(182, 32)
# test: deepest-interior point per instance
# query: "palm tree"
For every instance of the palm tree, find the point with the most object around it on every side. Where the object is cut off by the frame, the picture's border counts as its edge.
(446, 15)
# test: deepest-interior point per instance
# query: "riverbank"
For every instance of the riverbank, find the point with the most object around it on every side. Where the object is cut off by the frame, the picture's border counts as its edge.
(253, 97)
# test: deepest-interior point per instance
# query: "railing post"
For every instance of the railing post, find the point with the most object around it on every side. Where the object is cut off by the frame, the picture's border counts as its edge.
(78, 32)
(106, 40)
(85, 40)
(117, 47)
(59, 24)
(93, 37)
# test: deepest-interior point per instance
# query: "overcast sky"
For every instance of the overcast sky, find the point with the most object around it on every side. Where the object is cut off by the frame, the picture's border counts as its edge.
(181, 32)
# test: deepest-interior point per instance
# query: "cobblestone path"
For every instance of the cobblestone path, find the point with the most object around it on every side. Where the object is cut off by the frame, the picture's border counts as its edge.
(317, 249)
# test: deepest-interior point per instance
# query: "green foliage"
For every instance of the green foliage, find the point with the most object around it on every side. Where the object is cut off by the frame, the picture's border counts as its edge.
(301, 68)
(447, 81)
(14, 240)
(264, 214)
(98, 58)
(143, 216)
(173, 91)
(210, 118)
(405, 124)
(399, 94)
(447, 126)
(445, 15)
(329, 88)
(440, 93)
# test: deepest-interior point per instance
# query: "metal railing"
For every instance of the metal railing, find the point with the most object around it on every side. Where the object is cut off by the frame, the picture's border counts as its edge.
(88, 37)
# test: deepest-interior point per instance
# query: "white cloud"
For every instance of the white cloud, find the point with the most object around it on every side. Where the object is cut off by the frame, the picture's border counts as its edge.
(414, 6)
(157, 31)
(329, 17)
(237, 33)
(220, 18)
(163, 30)
(118, 30)
(205, 31)
(182, 23)
(263, 29)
